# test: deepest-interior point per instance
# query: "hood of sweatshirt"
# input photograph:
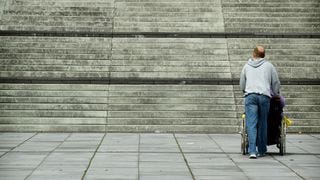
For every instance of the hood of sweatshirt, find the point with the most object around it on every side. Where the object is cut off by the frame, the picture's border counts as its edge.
(256, 63)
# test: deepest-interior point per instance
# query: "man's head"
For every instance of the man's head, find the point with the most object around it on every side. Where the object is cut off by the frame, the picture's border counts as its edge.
(258, 52)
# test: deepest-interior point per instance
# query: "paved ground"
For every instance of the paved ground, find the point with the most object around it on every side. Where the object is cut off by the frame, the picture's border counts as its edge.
(70, 156)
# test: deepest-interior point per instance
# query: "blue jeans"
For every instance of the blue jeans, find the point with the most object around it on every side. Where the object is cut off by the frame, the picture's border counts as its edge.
(257, 110)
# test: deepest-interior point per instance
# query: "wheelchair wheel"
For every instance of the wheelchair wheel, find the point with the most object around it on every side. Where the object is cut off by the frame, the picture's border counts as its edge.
(243, 145)
(244, 137)
(282, 145)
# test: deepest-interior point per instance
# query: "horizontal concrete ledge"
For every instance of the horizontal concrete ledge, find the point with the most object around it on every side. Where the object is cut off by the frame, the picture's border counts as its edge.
(158, 34)
(152, 81)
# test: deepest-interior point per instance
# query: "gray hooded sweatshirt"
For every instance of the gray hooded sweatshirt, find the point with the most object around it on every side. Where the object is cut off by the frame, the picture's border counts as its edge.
(259, 76)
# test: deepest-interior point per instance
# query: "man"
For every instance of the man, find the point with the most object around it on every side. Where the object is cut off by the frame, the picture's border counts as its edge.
(259, 81)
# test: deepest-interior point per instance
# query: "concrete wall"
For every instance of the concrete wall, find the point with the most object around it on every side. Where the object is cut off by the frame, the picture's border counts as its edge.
(265, 16)
(285, 16)
(295, 59)
(142, 108)
(150, 107)
(60, 15)
(133, 83)
(94, 58)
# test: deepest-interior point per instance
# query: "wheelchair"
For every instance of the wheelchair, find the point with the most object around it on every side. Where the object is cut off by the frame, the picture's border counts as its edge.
(277, 127)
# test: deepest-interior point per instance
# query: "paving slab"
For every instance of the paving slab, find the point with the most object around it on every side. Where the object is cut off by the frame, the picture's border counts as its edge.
(151, 156)
(18, 165)
(74, 146)
(7, 145)
(35, 146)
(14, 174)
(112, 173)
(163, 168)
(307, 143)
(202, 161)
(229, 143)
(85, 137)
(16, 136)
(120, 142)
(158, 143)
(197, 143)
(9, 141)
(316, 135)
(71, 160)
(21, 160)
(115, 160)
(55, 175)
(305, 165)
(219, 177)
(165, 177)
(161, 157)
(50, 137)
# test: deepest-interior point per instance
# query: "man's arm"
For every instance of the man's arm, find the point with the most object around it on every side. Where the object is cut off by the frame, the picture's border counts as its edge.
(243, 80)
(275, 82)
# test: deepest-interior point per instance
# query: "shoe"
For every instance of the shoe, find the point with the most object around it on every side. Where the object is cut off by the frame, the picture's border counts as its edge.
(253, 156)
(261, 154)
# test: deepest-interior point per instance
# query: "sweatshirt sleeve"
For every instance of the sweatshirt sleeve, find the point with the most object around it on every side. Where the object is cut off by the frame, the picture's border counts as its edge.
(243, 80)
(275, 82)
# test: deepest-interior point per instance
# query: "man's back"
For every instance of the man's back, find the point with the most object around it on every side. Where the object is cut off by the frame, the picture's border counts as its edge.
(259, 76)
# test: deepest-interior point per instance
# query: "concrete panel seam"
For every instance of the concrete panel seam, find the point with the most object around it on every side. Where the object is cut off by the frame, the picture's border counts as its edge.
(184, 157)
(19, 144)
(94, 154)
(47, 155)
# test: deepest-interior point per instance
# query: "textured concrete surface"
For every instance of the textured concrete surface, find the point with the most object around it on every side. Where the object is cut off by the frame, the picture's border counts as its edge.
(151, 107)
(293, 58)
(142, 108)
(98, 58)
(151, 157)
(286, 16)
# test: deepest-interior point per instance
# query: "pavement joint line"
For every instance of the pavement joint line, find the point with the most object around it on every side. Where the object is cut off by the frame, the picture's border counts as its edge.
(48, 154)
(288, 167)
(19, 144)
(184, 157)
(315, 154)
(241, 170)
(312, 135)
(94, 154)
(306, 152)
